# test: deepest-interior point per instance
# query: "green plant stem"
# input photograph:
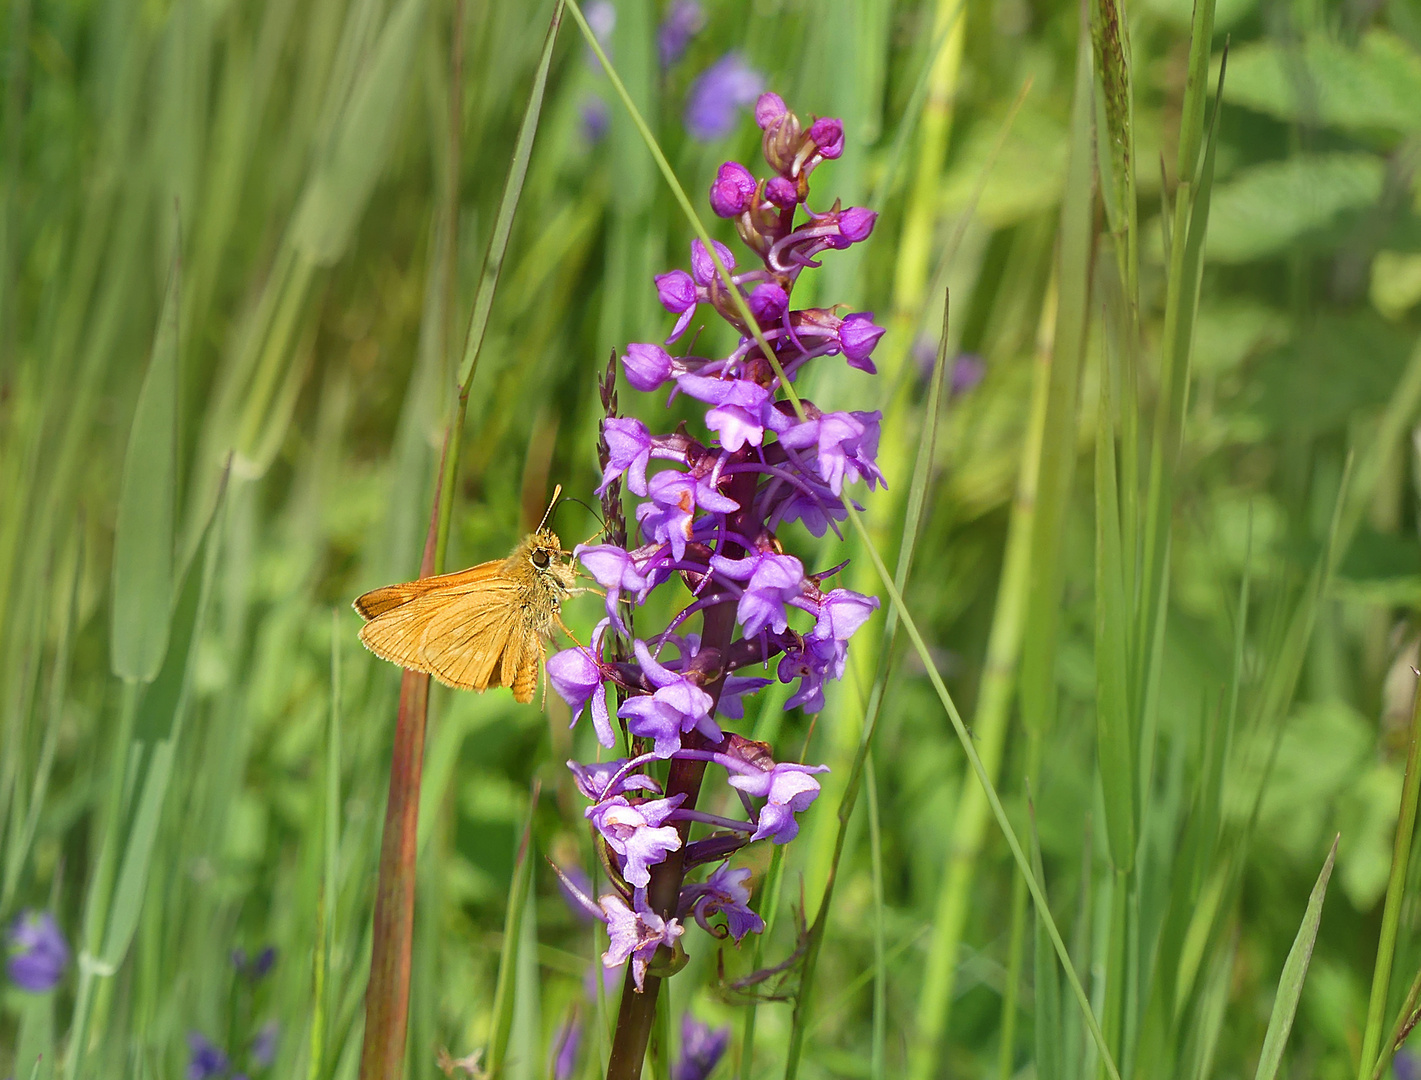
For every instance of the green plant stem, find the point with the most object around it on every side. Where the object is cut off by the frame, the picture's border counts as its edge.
(96, 904)
(1395, 892)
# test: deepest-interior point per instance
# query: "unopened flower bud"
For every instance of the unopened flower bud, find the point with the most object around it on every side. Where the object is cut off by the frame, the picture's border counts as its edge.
(782, 192)
(768, 303)
(828, 135)
(732, 191)
(855, 224)
(769, 109)
(647, 366)
(676, 291)
(858, 336)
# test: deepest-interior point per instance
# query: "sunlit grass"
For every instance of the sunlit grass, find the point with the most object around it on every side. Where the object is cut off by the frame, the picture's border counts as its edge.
(1164, 556)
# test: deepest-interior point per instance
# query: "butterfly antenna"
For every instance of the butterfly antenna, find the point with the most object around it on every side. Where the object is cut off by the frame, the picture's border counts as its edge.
(557, 494)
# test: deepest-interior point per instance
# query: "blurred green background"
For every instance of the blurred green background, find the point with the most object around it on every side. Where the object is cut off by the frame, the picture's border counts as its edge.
(247, 228)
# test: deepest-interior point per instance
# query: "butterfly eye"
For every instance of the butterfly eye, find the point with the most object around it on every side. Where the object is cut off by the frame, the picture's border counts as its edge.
(540, 559)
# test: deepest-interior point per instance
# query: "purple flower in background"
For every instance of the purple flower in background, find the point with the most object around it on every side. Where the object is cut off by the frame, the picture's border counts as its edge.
(715, 99)
(596, 119)
(255, 967)
(724, 892)
(701, 1049)
(967, 371)
(565, 1046)
(205, 1059)
(1406, 1065)
(684, 20)
(264, 1045)
(38, 952)
(601, 18)
(635, 933)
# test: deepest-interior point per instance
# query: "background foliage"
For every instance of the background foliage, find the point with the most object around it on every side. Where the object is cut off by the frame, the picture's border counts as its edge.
(245, 228)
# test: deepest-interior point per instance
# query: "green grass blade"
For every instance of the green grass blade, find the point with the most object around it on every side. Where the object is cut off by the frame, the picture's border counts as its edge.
(501, 1020)
(1395, 893)
(1047, 979)
(143, 535)
(161, 720)
(1290, 983)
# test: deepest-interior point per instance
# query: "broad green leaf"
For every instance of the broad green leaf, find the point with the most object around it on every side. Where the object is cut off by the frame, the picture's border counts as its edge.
(143, 534)
(1290, 984)
(1375, 85)
(1263, 210)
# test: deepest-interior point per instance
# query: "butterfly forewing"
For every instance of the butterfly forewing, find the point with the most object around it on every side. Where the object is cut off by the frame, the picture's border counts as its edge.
(473, 629)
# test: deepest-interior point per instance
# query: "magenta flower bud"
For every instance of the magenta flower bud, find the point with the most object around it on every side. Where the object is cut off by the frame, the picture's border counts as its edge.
(782, 192)
(828, 135)
(769, 110)
(858, 336)
(768, 303)
(855, 224)
(733, 190)
(676, 291)
(702, 267)
(647, 366)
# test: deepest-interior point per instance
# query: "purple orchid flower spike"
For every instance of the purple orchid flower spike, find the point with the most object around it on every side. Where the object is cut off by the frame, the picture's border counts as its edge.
(716, 505)
(38, 952)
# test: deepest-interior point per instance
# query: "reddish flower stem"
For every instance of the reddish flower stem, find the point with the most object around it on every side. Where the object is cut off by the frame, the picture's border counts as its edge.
(387, 995)
(637, 1012)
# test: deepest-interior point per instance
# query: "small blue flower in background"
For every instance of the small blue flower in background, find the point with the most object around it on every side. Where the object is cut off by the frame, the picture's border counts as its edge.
(565, 1046)
(254, 967)
(38, 952)
(702, 1047)
(264, 1045)
(684, 20)
(206, 1060)
(596, 119)
(714, 101)
(1406, 1065)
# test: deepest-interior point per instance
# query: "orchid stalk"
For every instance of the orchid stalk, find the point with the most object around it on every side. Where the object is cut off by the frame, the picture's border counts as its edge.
(711, 512)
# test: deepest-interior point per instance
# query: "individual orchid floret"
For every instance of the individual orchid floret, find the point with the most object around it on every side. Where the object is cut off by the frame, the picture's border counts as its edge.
(723, 892)
(636, 832)
(676, 292)
(845, 445)
(855, 225)
(607, 779)
(675, 498)
(616, 571)
(782, 192)
(718, 94)
(768, 303)
(677, 706)
(636, 933)
(827, 134)
(857, 337)
(771, 581)
(787, 789)
(733, 190)
(770, 109)
(703, 266)
(648, 366)
(628, 451)
(579, 677)
(739, 411)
